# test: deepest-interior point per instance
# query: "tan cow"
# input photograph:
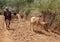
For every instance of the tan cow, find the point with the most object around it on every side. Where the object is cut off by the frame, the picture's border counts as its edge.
(36, 21)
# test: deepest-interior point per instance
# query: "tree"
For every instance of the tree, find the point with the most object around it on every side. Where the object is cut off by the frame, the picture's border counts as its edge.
(2, 3)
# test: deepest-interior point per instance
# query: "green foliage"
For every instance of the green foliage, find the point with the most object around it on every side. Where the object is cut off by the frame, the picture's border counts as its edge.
(29, 1)
(19, 4)
(58, 16)
(49, 5)
(26, 5)
(2, 3)
(27, 11)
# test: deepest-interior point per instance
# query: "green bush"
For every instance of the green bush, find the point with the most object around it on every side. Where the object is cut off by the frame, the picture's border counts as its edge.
(49, 5)
(27, 11)
(58, 16)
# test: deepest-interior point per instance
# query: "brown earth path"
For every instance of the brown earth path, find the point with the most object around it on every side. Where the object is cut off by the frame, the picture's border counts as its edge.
(4, 33)
(24, 33)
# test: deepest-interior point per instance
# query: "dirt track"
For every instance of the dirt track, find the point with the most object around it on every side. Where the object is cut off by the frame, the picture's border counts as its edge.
(24, 33)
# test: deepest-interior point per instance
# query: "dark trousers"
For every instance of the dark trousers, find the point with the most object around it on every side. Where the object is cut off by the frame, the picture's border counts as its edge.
(7, 20)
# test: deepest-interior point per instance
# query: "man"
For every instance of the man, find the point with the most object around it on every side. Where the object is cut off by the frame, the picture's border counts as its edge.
(7, 15)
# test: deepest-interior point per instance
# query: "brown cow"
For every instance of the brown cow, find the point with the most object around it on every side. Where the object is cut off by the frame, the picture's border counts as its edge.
(21, 15)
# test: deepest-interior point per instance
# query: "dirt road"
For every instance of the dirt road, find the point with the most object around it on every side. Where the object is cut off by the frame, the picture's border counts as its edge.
(24, 33)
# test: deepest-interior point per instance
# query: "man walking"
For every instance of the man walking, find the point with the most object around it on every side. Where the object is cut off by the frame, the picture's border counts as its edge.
(7, 15)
